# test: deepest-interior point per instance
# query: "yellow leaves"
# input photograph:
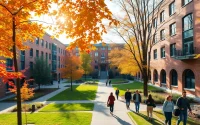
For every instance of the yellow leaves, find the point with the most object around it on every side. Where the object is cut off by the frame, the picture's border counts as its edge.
(123, 59)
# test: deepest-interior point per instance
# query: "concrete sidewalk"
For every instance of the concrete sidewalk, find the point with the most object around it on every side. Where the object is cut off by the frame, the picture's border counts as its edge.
(101, 113)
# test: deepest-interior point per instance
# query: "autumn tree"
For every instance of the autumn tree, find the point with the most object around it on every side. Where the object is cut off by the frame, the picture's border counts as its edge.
(138, 30)
(41, 72)
(123, 59)
(86, 63)
(72, 69)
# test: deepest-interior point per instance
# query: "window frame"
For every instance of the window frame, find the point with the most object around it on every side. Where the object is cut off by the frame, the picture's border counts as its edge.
(172, 31)
(172, 10)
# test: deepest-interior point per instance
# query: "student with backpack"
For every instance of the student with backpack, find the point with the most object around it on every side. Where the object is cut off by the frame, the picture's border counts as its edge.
(168, 107)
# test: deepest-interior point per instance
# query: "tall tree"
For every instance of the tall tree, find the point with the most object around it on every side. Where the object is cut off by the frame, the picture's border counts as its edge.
(83, 22)
(41, 71)
(138, 29)
(72, 69)
(86, 63)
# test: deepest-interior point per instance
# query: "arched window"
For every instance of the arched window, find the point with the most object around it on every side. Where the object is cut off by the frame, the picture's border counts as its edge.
(163, 76)
(174, 77)
(155, 75)
(189, 79)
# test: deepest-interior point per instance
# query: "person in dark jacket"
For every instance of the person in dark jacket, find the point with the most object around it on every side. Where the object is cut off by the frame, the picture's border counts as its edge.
(128, 98)
(183, 104)
(109, 82)
(117, 93)
(150, 105)
(110, 102)
(137, 100)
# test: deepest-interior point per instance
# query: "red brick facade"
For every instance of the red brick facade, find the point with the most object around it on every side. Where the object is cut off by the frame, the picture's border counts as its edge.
(183, 62)
(43, 48)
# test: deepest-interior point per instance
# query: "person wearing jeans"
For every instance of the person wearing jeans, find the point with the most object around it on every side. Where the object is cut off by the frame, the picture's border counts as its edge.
(168, 108)
(110, 102)
(183, 105)
(128, 98)
(137, 100)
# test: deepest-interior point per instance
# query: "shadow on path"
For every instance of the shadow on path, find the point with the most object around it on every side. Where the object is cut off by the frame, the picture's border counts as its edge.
(122, 122)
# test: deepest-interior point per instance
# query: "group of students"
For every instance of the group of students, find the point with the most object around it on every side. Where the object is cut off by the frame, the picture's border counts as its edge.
(182, 104)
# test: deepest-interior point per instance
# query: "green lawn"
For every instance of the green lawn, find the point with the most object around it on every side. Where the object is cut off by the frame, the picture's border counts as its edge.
(49, 119)
(160, 115)
(68, 107)
(81, 92)
(118, 81)
(141, 119)
(133, 86)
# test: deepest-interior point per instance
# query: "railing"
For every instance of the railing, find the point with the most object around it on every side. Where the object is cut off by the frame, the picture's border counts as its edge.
(186, 54)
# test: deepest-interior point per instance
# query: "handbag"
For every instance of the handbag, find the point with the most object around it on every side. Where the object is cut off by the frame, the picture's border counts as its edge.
(154, 105)
(108, 105)
(176, 111)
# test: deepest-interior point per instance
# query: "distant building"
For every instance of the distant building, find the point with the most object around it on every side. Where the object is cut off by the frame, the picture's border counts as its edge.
(51, 49)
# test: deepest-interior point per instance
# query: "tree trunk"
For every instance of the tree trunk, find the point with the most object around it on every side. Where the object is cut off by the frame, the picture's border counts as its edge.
(145, 79)
(85, 76)
(19, 113)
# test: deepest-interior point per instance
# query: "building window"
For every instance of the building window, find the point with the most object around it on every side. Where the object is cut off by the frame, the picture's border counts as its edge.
(31, 52)
(155, 76)
(42, 54)
(172, 49)
(102, 54)
(162, 52)
(172, 28)
(155, 22)
(37, 53)
(188, 22)
(37, 41)
(188, 46)
(9, 64)
(96, 54)
(31, 65)
(96, 67)
(189, 79)
(46, 56)
(155, 54)
(163, 76)
(96, 61)
(162, 34)
(49, 56)
(109, 48)
(174, 77)
(185, 2)
(162, 16)
(103, 48)
(155, 40)
(22, 60)
(172, 8)
(42, 42)
(49, 45)
(46, 44)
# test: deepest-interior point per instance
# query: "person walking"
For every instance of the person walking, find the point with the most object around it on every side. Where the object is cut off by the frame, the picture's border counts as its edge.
(128, 98)
(168, 107)
(183, 105)
(110, 102)
(150, 105)
(109, 82)
(137, 100)
(106, 82)
(117, 93)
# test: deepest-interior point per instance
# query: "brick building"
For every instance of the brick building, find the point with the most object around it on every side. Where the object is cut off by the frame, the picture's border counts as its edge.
(51, 49)
(173, 57)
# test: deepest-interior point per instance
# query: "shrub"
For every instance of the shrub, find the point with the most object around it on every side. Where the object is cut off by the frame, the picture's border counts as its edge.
(28, 107)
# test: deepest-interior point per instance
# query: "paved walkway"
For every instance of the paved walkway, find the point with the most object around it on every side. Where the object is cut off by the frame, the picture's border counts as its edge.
(101, 113)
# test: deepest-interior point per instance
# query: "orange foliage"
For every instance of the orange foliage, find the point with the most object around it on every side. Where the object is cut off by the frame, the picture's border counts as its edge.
(26, 92)
(73, 68)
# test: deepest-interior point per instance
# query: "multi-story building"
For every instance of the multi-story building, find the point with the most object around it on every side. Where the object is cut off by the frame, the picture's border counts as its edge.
(174, 62)
(51, 49)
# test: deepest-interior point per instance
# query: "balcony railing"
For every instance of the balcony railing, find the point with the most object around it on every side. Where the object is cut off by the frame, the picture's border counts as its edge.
(186, 54)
